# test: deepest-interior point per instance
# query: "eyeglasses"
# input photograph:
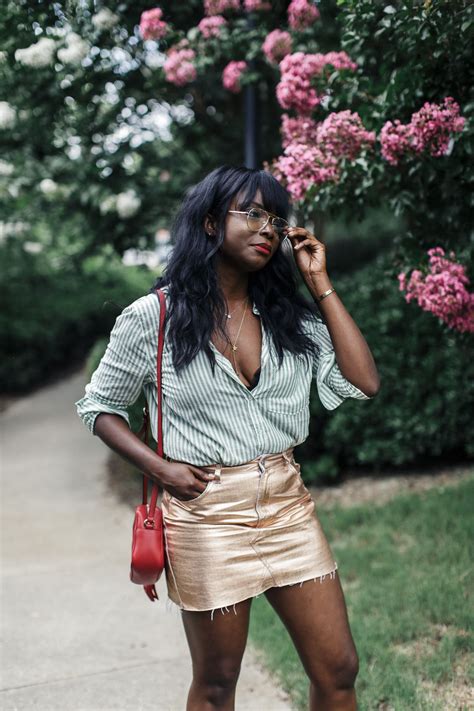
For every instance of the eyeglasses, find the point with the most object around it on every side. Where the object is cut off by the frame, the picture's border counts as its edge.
(257, 219)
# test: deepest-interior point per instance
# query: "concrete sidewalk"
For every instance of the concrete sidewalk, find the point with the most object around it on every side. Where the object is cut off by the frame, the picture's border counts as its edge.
(78, 634)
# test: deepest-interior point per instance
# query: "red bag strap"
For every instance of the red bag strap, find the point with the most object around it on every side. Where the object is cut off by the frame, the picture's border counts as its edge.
(146, 415)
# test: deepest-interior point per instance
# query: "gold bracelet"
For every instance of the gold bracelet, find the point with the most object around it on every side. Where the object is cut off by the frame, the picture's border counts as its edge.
(326, 293)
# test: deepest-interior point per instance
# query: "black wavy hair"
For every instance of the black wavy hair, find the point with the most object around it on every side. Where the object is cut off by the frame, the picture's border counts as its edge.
(197, 305)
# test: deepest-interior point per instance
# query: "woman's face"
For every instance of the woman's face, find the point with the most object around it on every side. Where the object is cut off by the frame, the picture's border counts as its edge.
(239, 245)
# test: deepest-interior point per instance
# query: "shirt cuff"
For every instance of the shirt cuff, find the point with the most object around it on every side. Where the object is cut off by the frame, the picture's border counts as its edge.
(88, 409)
(333, 387)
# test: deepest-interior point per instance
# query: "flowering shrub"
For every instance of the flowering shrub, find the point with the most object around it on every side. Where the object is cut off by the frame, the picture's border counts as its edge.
(211, 26)
(442, 290)
(314, 151)
(276, 46)
(295, 89)
(301, 14)
(392, 61)
(218, 7)
(231, 76)
(179, 68)
(152, 27)
(429, 130)
(257, 5)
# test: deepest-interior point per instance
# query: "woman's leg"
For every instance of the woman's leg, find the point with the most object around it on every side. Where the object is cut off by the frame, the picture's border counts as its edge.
(315, 616)
(217, 647)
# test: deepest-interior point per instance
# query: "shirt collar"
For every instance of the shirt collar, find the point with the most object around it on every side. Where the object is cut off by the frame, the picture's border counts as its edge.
(254, 308)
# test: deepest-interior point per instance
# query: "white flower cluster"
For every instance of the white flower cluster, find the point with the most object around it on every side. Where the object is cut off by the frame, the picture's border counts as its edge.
(40, 54)
(105, 19)
(6, 168)
(109, 204)
(74, 51)
(48, 187)
(126, 204)
(12, 229)
(7, 115)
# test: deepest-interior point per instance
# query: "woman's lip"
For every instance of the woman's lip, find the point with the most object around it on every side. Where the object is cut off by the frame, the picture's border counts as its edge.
(261, 248)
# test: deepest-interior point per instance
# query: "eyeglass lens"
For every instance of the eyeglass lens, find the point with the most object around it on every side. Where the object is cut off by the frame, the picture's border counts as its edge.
(257, 219)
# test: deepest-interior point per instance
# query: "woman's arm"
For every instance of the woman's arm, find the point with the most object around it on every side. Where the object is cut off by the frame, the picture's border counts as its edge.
(115, 432)
(184, 481)
(115, 385)
(353, 355)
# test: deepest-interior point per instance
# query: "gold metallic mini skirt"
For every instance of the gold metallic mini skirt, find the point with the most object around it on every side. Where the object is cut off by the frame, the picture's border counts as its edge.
(253, 527)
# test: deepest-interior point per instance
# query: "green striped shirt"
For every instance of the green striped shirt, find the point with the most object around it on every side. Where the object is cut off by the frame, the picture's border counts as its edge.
(213, 419)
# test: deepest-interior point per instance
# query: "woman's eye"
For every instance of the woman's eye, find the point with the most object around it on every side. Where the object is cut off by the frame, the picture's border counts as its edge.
(255, 212)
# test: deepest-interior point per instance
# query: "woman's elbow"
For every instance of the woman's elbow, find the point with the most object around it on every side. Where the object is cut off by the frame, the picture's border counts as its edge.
(373, 388)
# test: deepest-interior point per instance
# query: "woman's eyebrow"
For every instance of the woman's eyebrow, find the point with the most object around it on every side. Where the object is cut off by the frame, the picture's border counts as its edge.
(256, 203)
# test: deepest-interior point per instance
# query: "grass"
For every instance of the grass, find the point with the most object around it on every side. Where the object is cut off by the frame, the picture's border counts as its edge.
(406, 570)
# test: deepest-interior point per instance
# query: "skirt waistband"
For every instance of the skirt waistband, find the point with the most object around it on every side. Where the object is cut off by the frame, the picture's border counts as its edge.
(273, 457)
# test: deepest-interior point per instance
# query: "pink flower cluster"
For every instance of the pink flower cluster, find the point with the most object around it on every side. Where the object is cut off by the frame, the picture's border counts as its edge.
(295, 89)
(302, 166)
(301, 129)
(442, 291)
(429, 129)
(313, 151)
(277, 45)
(231, 76)
(218, 7)
(301, 14)
(343, 135)
(179, 68)
(152, 26)
(211, 26)
(257, 5)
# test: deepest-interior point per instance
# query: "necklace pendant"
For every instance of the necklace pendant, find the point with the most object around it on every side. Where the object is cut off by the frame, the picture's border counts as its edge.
(228, 316)
(234, 348)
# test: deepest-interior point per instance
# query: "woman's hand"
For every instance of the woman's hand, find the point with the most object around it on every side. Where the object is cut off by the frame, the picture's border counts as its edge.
(184, 481)
(309, 252)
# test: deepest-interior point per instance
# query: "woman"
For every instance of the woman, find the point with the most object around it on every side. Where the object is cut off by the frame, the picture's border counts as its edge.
(241, 349)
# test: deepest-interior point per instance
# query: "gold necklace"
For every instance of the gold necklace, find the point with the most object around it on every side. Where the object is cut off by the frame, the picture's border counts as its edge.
(234, 345)
(229, 315)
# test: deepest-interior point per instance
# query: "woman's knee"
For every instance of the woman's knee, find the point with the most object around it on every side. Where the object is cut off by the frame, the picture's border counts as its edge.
(218, 680)
(339, 672)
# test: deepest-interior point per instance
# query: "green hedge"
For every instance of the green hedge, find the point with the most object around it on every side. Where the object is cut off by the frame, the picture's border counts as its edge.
(53, 313)
(421, 413)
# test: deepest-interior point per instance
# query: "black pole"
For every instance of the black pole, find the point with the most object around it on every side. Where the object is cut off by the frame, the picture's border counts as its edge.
(250, 112)
(251, 158)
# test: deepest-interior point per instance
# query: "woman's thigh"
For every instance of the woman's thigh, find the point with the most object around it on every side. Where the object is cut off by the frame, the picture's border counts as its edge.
(315, 616)
(217, 645)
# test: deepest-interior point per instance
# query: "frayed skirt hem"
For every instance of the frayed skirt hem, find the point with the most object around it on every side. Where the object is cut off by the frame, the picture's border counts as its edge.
(224, 608)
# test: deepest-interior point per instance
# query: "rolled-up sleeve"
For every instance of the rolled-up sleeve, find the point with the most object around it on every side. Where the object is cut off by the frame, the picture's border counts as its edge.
(121, 373)
(333, 388)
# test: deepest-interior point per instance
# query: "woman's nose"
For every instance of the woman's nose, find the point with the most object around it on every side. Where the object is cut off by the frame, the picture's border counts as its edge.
(268, 230)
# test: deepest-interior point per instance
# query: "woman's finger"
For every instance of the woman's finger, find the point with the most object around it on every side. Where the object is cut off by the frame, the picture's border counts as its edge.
(202, 475)
(301, 244)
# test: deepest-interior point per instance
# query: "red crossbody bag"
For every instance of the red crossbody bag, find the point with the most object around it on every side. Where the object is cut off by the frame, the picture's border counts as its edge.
(148, 544)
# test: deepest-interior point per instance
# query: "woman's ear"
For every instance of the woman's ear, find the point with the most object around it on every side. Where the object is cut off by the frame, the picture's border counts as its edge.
(209, 225)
